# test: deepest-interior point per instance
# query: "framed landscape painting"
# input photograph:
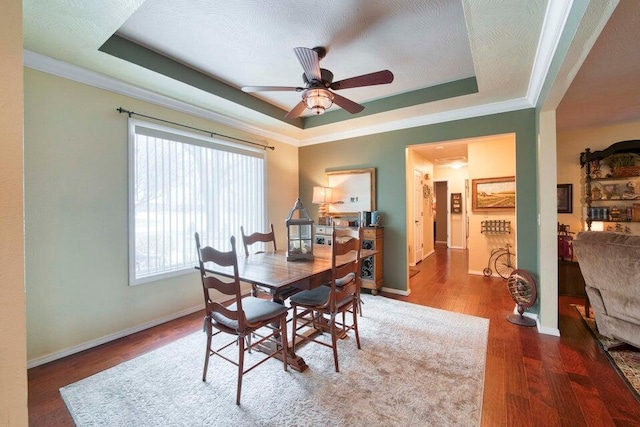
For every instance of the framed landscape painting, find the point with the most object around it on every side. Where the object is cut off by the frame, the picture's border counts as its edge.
(493, 193)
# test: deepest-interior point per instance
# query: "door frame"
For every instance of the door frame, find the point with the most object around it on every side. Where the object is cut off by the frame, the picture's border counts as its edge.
(447, 208)
(418, 232)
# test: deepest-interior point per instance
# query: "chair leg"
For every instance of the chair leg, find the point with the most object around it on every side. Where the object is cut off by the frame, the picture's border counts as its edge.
(314, 317)
(294, 324)
(355, 323)
(284, 341)
(206, 357)
(334, 340)
(240, 369)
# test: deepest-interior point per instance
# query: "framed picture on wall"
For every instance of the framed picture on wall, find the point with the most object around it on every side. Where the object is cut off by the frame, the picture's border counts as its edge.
(493, 193)
(565, 198)
(456, 203)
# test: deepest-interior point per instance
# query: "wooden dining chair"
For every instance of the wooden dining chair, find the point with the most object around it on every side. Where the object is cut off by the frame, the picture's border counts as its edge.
(340, 297)
(342, 234)
(253, 238)
(248, 240)
(241, 318)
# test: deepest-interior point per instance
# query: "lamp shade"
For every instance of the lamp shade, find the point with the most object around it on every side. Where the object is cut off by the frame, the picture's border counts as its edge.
(317, 100)
(321, 195)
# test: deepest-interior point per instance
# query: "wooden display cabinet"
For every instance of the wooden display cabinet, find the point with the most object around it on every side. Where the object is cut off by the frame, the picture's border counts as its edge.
(614, 197)
(372, 266)
(371, 271)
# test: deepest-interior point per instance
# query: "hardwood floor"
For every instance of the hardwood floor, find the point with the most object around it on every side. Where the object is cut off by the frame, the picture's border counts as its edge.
(530, 380)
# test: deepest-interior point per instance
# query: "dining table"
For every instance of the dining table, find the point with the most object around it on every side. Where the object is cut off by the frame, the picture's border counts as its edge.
(271, 271)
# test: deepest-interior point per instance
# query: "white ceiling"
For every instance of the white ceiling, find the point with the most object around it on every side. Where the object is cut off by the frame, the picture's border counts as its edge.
(506, 44)
(251, 42)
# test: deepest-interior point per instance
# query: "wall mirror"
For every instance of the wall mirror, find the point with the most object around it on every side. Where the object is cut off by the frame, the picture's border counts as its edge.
(354, 190)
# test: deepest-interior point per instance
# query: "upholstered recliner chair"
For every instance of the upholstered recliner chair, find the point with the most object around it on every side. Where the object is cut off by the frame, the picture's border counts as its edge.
(610, 265)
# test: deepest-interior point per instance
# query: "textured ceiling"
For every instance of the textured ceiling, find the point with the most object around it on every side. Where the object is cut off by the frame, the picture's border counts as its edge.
(250, 42)
(606, 90)
(425, 43)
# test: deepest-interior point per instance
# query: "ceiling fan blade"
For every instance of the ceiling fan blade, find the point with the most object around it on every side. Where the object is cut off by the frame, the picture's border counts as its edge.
(377, 78)
(347, 104)
(296, 111)
(310, 62)
(251, 89)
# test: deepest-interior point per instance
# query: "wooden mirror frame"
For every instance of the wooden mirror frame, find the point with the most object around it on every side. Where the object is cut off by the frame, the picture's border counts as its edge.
(364, 180)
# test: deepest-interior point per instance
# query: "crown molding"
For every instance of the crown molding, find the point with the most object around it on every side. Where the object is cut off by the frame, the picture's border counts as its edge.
(554, 22)
(445, 116)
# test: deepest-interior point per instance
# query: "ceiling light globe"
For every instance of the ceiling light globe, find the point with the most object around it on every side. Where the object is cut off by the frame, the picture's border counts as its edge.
(317, 100)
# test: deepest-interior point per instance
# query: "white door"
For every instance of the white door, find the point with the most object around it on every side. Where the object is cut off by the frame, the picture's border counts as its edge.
(418, 207)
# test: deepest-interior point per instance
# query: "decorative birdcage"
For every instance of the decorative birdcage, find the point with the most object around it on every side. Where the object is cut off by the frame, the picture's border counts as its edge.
(299, 234)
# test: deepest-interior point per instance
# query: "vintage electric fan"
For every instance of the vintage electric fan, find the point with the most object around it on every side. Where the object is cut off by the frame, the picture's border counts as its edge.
(522, 288)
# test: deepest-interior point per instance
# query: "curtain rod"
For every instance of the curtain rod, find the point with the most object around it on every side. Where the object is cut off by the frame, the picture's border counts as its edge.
(132, 113)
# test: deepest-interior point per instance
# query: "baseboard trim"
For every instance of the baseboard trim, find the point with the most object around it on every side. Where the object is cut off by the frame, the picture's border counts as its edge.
(547, 331)
(477, 273)
(107, 338)
(395, 291)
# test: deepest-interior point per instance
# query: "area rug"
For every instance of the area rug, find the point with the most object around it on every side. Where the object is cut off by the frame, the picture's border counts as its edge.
(418, 366)
(625, 361)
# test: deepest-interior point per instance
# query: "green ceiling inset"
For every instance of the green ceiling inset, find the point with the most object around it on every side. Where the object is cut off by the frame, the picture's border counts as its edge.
(407, 99)
(147, 58)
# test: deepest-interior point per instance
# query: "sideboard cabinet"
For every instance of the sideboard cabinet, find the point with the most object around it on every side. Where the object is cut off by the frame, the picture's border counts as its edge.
(371, 270)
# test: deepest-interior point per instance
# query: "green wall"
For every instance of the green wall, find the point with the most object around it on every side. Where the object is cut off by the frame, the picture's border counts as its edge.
(386, 152)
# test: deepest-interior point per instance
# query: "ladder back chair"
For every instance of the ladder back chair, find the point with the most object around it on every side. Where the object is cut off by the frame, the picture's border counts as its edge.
(340, 297)
(241, 318)
(248, 240)
(253, 238)
(345, 233)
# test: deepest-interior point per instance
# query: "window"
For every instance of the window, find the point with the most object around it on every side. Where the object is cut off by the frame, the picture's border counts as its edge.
(181, 183)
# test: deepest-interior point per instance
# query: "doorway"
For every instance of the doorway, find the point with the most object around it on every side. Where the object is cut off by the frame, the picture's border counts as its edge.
(441, 223)
(418, 217)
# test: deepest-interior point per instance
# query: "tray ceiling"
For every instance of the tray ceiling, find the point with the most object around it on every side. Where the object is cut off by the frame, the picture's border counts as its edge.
(451, 58)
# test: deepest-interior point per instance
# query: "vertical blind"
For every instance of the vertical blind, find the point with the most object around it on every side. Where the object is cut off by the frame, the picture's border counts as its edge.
(181, 183)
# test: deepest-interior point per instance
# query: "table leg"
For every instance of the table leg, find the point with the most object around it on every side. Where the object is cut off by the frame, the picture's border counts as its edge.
(296, 362)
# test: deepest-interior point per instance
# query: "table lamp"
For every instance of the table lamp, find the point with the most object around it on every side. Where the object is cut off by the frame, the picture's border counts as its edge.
(322, 196)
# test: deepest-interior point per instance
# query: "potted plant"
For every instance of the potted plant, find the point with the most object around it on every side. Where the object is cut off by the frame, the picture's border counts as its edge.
(623, 164)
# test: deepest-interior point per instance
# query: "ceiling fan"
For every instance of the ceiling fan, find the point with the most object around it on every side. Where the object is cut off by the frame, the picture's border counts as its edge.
(316, 94)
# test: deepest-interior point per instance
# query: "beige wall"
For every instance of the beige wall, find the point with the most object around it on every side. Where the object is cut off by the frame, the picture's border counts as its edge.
(569, 147)
(490, 157)
(13, 360)
(417, 162)
(76, 217)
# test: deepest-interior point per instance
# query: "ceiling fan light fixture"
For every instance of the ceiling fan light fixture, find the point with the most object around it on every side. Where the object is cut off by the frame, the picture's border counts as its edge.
(317, 100)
